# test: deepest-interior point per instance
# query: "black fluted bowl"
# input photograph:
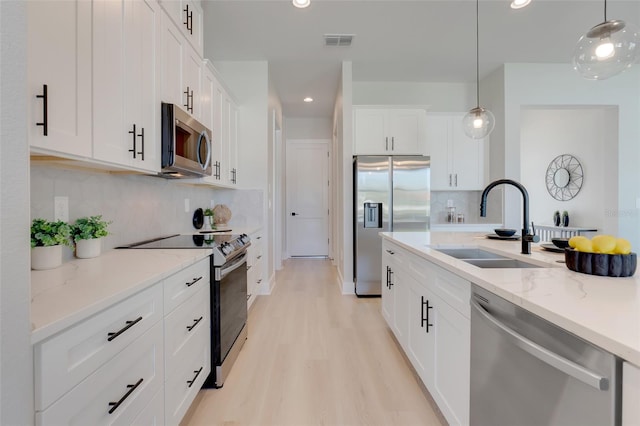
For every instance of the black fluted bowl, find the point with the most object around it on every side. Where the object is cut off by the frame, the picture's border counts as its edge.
(606, 265)
(504, 232)
(560, 242)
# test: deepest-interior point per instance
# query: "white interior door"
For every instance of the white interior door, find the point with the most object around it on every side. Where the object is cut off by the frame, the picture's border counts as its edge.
(307, 197)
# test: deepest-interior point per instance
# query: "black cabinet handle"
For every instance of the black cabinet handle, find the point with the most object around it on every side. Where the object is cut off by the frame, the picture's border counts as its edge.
(424, 314)
(258, 238)
(195, 280)
(123, 329)
(259, 281)
(393, 143)
(390, 251)
(114, 405)
(192, 381)
(259, 257)
(249, 296)
(188, 19)
(216, 174)
(133, 133)
(233, 175)
(390, 278)
(195, 322)
(386, 143)
(293, 213)
(45, 110)
(141, 136)
(189, 104)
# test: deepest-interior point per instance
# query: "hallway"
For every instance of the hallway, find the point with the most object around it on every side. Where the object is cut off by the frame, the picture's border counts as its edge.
(315, 357)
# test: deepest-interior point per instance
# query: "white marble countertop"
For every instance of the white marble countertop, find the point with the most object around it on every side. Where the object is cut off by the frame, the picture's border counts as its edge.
(82, 287)
(601, 310)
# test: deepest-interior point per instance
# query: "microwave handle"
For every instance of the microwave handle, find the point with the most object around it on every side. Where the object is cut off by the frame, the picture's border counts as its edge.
(204, 136)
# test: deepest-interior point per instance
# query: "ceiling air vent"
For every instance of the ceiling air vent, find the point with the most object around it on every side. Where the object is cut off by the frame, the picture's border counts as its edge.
(338, 39)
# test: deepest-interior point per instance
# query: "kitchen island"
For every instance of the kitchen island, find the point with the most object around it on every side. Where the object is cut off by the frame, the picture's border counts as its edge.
(426, 303)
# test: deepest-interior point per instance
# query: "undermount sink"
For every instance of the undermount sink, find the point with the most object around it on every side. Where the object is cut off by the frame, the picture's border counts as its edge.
(500, 263)
(470, 253)
(484, 258)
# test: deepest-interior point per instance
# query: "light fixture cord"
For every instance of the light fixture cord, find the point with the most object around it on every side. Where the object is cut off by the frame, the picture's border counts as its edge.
(478, 54)
(605, 10)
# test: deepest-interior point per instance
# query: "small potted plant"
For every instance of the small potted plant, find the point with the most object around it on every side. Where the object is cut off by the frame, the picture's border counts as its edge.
(209, 217)
(87, 233)
(47, 239)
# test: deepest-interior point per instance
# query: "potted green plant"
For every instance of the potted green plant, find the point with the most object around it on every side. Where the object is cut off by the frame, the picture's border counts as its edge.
(209, 217)
(47, 239)
(87, 233)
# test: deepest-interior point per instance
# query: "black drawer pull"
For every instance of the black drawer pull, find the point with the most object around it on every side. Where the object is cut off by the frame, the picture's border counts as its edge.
(141, 136)
(195, 280)
(45, 110)
(192, 381)
(123, 329)
(249, 296)
(259, 257)
(424, 319)
(114, 405)
(195, 322)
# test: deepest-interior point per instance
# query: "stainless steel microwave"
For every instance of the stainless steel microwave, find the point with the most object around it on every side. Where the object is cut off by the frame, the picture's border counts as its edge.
(186, 144)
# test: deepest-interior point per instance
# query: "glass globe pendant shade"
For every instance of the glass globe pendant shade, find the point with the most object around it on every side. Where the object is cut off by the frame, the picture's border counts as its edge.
(478, 123)
(606, 50)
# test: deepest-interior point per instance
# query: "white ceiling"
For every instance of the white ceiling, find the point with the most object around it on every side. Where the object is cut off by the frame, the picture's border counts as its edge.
(395, 40)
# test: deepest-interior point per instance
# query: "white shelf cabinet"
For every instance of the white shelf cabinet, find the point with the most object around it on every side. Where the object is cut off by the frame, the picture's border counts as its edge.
(427, 309)
(255, 267)
(187, 16)
(384, 131)
(59, 57)
(126, 107)
(457, 161)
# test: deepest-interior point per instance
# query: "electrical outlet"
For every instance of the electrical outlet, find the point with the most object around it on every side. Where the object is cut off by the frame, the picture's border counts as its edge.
(61, 208)
(186, 205)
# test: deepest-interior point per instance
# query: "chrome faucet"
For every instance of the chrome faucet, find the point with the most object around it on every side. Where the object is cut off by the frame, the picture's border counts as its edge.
(526, 238)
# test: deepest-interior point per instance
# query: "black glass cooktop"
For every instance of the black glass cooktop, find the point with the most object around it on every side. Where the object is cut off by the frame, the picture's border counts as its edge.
(183, 242)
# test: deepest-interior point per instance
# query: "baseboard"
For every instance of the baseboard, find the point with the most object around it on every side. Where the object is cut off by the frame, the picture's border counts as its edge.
(346, 288)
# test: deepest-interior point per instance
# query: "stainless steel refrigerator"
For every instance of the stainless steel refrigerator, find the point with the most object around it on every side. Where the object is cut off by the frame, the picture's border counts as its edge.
(391, 193)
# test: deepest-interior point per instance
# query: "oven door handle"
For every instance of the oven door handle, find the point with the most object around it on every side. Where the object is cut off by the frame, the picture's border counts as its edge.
(241, 260)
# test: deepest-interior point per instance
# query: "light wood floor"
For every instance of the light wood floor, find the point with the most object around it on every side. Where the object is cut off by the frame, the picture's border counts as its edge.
(315, 357)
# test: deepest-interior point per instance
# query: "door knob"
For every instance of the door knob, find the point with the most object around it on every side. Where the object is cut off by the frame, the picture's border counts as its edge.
(293, 213)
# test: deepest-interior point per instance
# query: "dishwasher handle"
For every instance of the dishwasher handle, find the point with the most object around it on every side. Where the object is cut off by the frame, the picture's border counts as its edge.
(566, 366)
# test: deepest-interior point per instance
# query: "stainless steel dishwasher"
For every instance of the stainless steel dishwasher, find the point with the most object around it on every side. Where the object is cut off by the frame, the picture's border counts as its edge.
(527, 371)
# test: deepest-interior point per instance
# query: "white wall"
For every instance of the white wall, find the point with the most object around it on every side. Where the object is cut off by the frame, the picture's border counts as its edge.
(437, 97)
(558, 85)
(16, 363)
(547, 133)
(344, 161)
(275, 197)
(307, 128)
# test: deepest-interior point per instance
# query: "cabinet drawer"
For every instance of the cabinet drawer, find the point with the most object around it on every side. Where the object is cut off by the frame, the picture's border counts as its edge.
(153, 413)
(453, 290)
(183, 384)
(186, 328)
(132, 378)
(65, 359)
(182, 285)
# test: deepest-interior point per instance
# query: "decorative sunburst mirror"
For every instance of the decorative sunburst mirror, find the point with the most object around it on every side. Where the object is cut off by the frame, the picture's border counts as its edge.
(564, 177)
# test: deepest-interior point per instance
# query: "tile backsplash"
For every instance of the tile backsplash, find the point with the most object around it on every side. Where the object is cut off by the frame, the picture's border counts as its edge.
(467, 203)
(140, 207)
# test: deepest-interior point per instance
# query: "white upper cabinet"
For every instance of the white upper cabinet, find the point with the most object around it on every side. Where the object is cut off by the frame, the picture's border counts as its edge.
(457, 161)
(187, 16)
(126, 108)
(380, 131)
(59, 76)
(191, 81)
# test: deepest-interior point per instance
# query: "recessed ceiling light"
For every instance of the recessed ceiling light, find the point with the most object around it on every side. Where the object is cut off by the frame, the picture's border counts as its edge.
(519, 4)
(308, 99)
(301, 3)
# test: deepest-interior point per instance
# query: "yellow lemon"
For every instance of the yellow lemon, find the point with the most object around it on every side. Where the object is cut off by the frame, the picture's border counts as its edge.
(622, 246)
(584, 245)
(603, 243)
(573, 241)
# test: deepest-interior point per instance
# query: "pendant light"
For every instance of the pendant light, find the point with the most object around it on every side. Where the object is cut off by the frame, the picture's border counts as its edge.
(607, 49)
(301, 3)
(478, 123)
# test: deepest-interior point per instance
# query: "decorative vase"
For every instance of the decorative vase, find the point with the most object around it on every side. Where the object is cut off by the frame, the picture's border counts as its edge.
(556, 218)
(46, 257)
(565, 219)
(86, 249)
(206, 224)
(212, 221)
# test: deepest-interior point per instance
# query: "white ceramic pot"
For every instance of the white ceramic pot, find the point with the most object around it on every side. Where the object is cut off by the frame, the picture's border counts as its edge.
(86, 249)
(46, 257)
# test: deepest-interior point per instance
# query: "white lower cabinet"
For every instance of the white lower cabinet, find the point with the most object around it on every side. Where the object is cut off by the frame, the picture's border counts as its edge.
(255, 269)
(430, 318)
(630, 395)
(118, 391)
(140, 361)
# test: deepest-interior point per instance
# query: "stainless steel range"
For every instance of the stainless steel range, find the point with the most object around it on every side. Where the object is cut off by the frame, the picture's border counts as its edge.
(228, 293)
